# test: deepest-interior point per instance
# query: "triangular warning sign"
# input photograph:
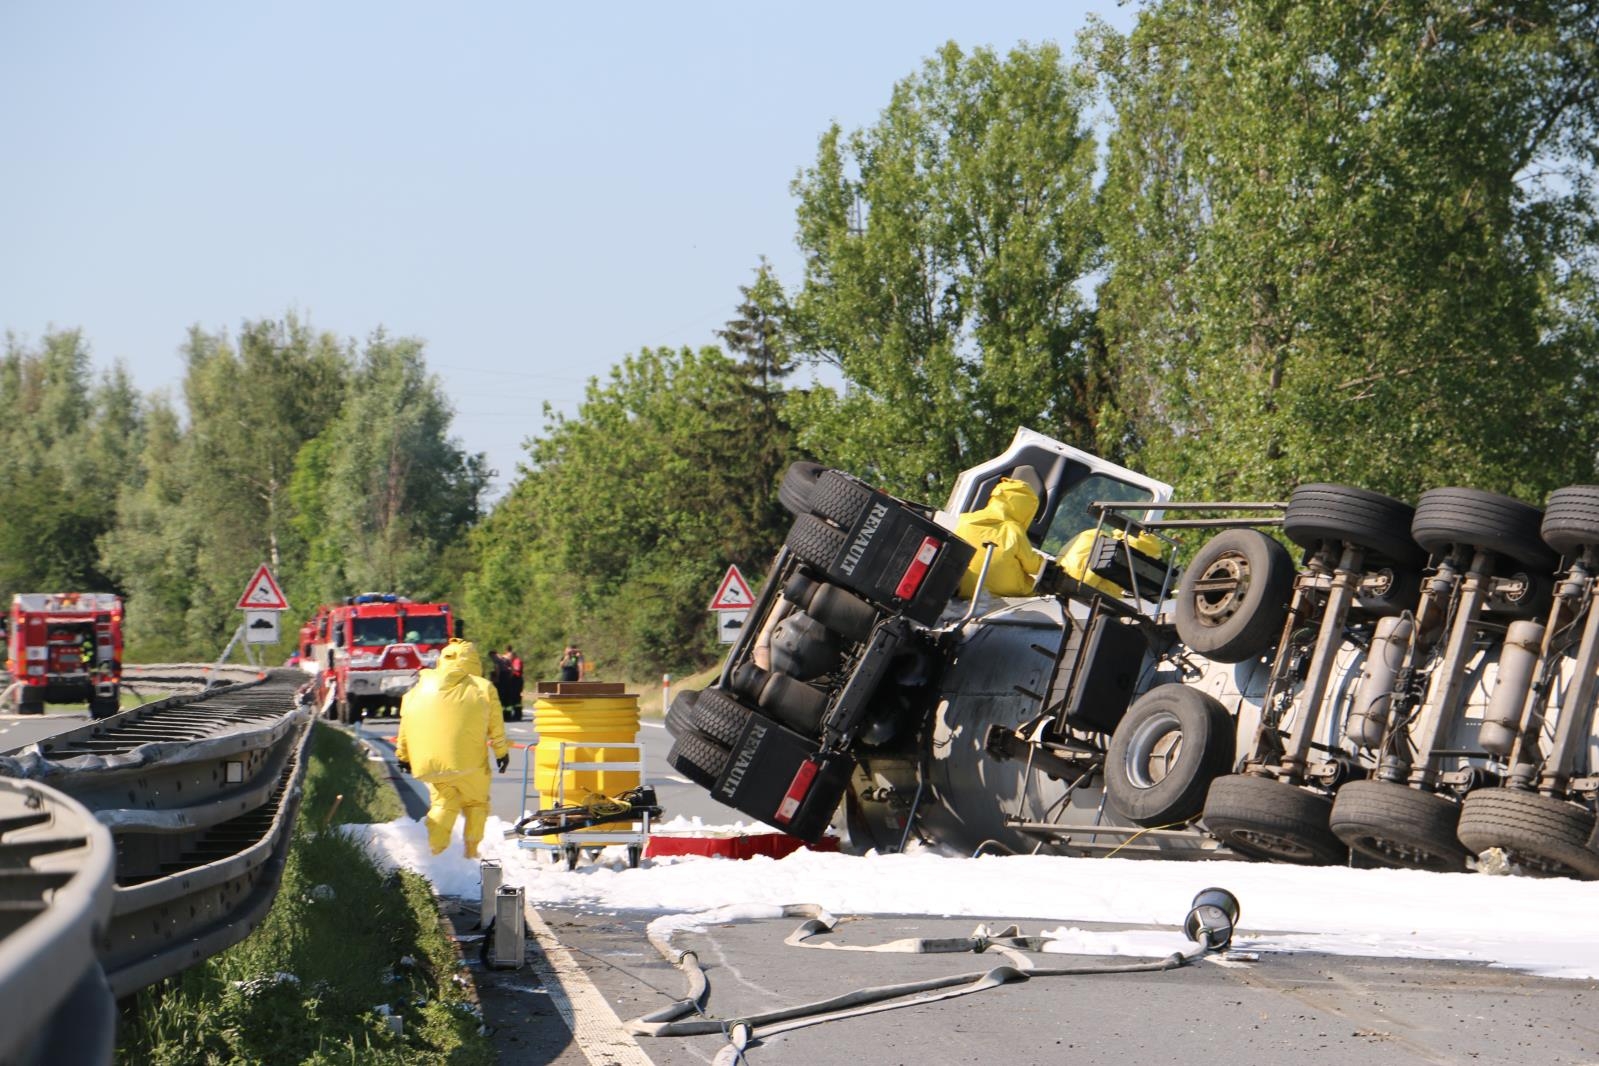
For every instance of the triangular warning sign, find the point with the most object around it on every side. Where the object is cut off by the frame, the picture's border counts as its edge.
(733, 594)
(262, 593)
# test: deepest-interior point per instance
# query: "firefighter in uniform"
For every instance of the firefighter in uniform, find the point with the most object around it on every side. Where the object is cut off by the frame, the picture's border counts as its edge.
(448, 720)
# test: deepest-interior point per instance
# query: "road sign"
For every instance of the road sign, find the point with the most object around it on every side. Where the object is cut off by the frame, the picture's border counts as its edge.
(262, 593)
(733, 594)
(729, 624)
(261, 627)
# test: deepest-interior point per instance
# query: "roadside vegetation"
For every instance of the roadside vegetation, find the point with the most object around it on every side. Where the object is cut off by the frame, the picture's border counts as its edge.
(1241, 246)
(345, 950)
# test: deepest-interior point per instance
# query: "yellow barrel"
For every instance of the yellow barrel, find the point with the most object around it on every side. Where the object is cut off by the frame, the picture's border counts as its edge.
(590, 713)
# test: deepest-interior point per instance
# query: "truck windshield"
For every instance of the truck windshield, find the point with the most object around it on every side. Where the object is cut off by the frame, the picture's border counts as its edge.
(1072, 516)
(375, 632)
(427, 628)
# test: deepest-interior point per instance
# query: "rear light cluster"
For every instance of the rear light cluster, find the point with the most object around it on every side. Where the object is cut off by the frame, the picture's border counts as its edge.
(917, 571)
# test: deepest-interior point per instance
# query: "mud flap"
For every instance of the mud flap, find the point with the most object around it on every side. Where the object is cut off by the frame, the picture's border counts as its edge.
(783, 779)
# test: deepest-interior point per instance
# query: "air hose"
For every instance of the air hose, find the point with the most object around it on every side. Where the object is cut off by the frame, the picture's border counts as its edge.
(1209, 925)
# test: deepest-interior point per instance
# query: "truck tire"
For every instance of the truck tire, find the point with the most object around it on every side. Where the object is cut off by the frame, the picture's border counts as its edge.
(1540, 834)
(1380, 524)
(28, 701)
(719, 716)
(796, 704)
(814, 541)
(679, 716)
(104, 708)
(1487, 521)
(1571, 519)
(1267, 819)
(1242, 615)
(839, 498)
(1165, 752)
(798, 485)
(1399, 826)
(698, 758)
(343, 712)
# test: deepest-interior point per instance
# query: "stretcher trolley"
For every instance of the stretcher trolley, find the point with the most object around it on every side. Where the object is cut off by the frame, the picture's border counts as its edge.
(584, 818)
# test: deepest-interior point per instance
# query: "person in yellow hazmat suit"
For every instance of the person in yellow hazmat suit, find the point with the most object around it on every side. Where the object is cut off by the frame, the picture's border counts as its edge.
(448, 721)
(1003, 522)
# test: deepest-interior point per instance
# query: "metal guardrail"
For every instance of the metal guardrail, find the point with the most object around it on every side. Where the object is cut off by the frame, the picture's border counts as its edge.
(55, 901)
(197, 795)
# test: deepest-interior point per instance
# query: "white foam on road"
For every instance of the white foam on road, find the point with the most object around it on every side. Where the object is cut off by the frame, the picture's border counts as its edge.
(1544, 927)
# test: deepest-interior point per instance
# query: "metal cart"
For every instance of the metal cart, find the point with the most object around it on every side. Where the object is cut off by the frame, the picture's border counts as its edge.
(570, 845)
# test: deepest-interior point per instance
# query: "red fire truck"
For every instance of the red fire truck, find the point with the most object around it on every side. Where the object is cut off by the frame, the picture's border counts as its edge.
(367, 650)
(65, 647)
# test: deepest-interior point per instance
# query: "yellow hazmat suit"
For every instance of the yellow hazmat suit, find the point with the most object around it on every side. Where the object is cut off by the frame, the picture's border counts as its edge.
(1002, 521)
(1074, 560)
(446, 720)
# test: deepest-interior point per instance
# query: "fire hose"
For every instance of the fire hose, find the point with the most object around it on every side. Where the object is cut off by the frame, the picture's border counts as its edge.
(1209, 926)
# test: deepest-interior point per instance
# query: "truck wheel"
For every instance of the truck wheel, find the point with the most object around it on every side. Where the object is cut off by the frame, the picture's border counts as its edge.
(1267, 819)
(839, 498)
(104, 708)
(343, 712)
(1571, 519)
(28, 701)
(1540, 834)
(1380, 524)
(1483, 520)
(797, 705)
(794, 492)
(814, 541)
(679, 716)
(1165, 753)
(719, 716)
(1234, 596)
(698, 758)
(1399, 826)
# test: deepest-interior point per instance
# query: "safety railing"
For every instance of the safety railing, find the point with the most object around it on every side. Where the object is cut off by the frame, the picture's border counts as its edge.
(195, 797)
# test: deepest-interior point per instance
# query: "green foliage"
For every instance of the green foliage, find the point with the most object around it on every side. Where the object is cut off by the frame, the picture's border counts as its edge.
(66, 446)
(384, 489)
(1344, 244)
(946, 246)
(628, 513)
(344, 954)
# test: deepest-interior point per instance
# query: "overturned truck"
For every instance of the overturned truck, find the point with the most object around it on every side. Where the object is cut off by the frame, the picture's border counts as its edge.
(1417, 688)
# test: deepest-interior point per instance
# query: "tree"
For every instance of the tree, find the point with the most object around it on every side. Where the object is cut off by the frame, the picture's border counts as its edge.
(1349, 241)
(385, 489)
(625, 516)
(946, 248)
(67, 446)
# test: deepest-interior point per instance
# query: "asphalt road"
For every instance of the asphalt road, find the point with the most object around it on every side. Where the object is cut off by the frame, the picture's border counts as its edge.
(1244, 1012)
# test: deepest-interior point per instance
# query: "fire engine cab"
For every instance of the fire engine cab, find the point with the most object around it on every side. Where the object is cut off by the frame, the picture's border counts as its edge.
(366, 651)
(65, 647)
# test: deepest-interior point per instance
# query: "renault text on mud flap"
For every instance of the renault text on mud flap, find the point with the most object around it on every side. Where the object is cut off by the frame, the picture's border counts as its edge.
(746, 756)
(874, 518)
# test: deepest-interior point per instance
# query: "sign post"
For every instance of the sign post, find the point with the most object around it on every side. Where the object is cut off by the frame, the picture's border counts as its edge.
(263, 604)
(732, 604)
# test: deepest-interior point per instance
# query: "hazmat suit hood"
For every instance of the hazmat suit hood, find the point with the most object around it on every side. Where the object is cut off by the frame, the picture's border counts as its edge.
(1002, 522)
(458, 660)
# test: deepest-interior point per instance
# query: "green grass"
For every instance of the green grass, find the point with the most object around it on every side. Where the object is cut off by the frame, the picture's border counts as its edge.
(375, 941)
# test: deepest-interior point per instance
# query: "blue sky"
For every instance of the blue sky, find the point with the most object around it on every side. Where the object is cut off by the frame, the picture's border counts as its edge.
(534, 190)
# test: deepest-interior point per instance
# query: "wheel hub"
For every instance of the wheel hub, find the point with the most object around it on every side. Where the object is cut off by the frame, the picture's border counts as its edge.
(1269, 843)
(1154, 750)
(1222, 589)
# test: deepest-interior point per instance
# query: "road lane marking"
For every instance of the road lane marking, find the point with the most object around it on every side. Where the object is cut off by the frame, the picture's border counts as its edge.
(595, 1026)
